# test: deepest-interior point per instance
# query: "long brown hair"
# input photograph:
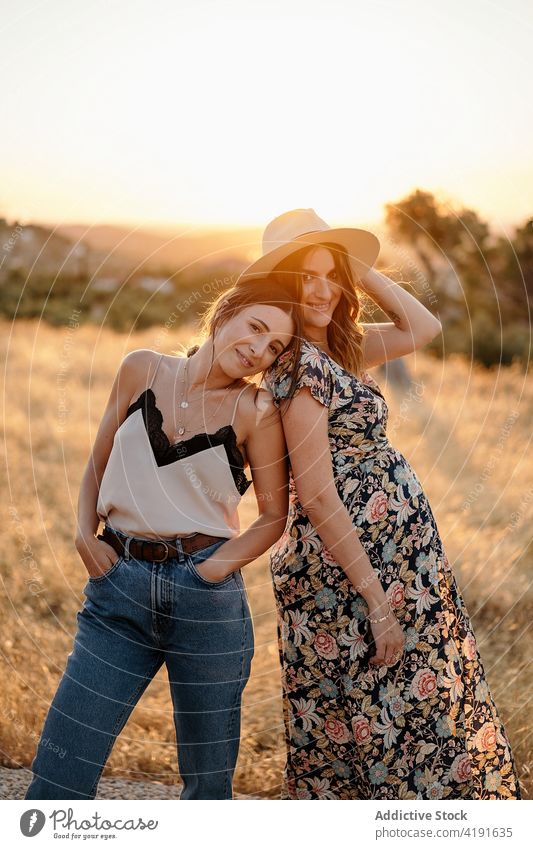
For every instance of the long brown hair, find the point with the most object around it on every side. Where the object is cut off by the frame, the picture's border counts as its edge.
(344, 332)
(283, 294)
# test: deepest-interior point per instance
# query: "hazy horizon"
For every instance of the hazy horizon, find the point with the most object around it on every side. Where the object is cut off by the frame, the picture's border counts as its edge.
(189, 229)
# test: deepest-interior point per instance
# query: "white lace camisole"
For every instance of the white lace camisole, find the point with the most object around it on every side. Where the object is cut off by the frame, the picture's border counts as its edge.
(152, 488)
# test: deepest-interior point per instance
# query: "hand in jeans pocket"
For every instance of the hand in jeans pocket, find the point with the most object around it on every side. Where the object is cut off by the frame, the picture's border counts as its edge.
(211, 566)
(97, 555)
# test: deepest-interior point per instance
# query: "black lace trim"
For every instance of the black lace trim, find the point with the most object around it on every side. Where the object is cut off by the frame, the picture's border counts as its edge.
(166, 453)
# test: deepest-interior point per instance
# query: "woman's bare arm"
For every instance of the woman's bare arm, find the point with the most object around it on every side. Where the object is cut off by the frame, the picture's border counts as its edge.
(305, 423)
(267, 455)
(412, 326)
(127, 379)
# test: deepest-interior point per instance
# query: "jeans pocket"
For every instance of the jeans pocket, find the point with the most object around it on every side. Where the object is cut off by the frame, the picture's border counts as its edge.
(201, 578)
(97, 578)
(197, 557)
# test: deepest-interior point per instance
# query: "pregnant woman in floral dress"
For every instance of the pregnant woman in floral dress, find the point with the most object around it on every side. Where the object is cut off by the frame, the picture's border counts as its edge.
(420, 724)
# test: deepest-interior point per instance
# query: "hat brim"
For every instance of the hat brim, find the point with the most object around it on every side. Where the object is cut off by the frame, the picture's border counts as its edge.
(361, 246)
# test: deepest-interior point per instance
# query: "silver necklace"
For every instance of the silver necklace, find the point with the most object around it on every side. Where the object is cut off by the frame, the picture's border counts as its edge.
(184, 402)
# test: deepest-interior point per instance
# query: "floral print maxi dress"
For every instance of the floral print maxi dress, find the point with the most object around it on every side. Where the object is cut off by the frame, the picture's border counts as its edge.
(427, 727)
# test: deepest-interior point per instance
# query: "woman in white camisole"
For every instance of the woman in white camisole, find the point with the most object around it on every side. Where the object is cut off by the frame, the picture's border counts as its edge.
(165, 476)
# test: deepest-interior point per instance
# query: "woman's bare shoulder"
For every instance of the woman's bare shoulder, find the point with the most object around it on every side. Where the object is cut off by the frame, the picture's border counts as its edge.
(140, 362)
(136, 371)
(257, 406)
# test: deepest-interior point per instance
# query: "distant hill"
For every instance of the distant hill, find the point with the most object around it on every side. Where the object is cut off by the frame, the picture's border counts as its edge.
(44, 250)
(122, 277)
(114, 252)
(170, 250)
(104, 250)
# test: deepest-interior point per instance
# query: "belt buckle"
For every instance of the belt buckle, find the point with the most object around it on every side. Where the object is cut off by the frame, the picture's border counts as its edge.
(166, 552)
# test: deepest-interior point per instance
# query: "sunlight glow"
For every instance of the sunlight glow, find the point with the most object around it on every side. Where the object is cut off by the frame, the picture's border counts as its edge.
(229, 113)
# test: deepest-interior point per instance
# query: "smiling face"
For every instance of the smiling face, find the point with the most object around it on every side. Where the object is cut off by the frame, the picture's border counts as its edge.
(321, 290)
(250, 341)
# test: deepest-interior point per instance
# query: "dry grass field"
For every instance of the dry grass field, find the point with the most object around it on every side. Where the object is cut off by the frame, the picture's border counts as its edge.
(465, 430)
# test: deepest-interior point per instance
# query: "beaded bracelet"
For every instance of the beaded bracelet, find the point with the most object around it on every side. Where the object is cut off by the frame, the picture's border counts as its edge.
(381, 619)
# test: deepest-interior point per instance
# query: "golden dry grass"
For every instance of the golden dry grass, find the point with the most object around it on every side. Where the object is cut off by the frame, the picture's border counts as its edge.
(465, 430)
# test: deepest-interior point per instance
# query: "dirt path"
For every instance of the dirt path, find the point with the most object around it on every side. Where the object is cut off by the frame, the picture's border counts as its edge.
(13, 784)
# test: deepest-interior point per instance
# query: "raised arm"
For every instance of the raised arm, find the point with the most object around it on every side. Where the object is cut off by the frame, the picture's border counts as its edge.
(267, 455)
(305, 423)
(412, 326)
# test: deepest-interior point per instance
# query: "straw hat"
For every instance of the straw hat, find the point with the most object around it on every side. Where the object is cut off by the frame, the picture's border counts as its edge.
(299, 227)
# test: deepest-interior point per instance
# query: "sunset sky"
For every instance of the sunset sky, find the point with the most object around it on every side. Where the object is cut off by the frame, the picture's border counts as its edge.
(163, 112)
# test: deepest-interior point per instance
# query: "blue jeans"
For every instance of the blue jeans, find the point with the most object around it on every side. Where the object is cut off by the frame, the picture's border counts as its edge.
(137, 616)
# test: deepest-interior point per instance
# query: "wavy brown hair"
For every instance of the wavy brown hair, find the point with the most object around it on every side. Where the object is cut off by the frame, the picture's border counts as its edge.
(283, 294)
(344, 332)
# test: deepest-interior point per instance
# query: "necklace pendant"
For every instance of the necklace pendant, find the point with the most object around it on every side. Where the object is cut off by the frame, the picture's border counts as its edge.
(184, 404)
(181, 431)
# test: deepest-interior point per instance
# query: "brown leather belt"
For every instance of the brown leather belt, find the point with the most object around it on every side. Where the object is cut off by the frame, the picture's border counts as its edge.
(158, 550)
